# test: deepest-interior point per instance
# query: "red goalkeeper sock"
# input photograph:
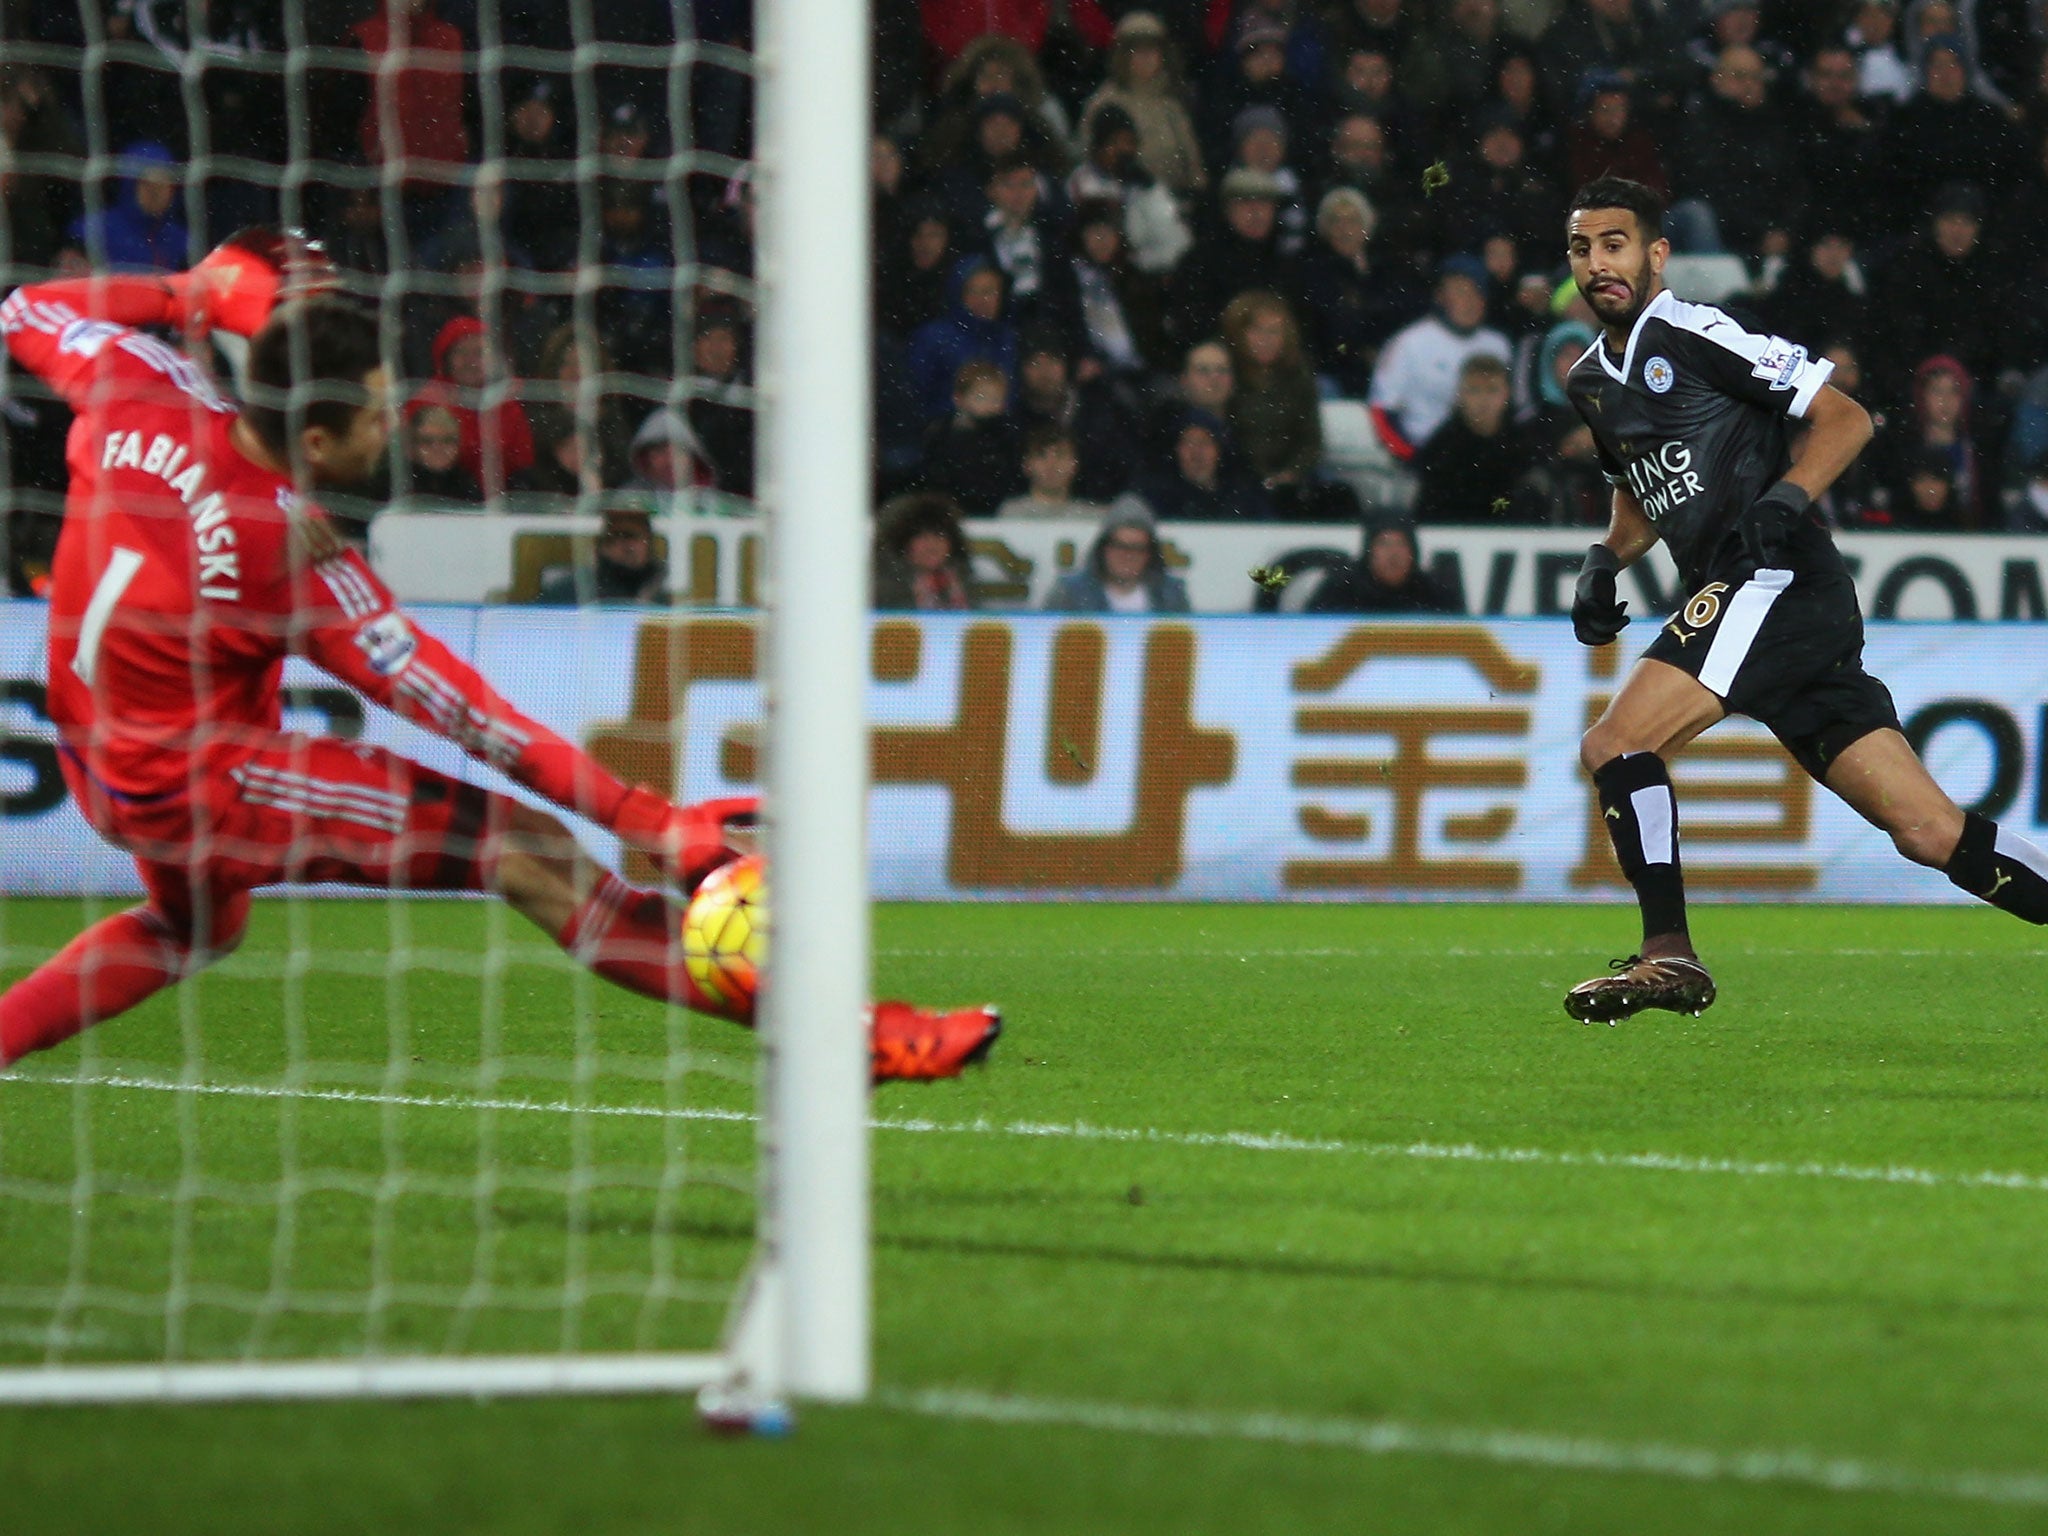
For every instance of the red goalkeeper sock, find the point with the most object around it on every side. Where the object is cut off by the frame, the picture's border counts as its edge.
(105, 971)
(630, 938)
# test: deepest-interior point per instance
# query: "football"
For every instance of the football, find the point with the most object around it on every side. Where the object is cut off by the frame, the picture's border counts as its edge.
(725, 931)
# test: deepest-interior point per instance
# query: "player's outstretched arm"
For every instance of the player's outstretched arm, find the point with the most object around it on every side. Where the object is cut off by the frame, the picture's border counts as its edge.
(351, 626)
(60, 330)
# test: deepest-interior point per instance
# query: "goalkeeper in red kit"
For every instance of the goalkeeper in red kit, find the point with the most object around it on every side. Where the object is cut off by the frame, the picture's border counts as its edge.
(193, 561)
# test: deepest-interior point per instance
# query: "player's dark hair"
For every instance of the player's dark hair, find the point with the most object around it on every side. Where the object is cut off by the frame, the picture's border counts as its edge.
(339, 344)
(1620, 192)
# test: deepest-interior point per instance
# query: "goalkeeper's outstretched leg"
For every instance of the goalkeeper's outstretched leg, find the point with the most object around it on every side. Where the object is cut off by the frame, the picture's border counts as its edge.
(631, 937)
(306, 823)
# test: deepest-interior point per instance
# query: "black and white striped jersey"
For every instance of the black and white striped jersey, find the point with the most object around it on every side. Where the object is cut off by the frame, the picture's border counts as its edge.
(1692, 419)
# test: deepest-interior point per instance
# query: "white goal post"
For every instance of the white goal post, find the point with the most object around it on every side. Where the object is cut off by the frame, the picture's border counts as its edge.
(799, 1326)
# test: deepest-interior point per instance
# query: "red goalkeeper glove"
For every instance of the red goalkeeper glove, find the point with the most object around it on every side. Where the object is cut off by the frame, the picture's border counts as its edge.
(688, 842)
(237, 284)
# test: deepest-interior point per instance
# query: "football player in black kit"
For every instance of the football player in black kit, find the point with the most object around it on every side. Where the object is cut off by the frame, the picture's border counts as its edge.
(1690, 414)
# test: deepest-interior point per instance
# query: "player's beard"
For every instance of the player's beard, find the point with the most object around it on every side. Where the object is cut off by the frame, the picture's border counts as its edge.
(1621, 315)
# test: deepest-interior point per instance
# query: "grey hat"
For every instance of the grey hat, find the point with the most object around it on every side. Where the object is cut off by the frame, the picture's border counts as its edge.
(1252, 119)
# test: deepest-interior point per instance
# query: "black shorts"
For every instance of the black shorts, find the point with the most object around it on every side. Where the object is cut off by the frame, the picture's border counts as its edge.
(1786, 649)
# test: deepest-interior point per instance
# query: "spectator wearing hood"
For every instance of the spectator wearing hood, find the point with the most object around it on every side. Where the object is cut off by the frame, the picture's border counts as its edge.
(1415, 381)
(666, 456)
(1570, 464)
(1389, 579)
(972, 328)
(497, 440)
(1945, 134)
(143, 230)
(1937, 432)
(914, 269)
(1240, 251)
(1945, 293)
(921, 556)
(1955, 22)
(625, 568)
(1155, 235)
(1144, 81)
(1200, 483)
(1125, 571)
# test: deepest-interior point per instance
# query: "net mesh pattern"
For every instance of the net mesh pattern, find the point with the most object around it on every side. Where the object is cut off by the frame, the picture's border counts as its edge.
(389, 1124)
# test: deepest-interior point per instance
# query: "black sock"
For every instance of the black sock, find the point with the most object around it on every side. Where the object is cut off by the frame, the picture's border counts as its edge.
(2000, 867)
(1641, 815)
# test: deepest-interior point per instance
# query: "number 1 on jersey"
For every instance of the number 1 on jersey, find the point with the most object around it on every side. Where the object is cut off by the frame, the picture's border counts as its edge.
(121, 569)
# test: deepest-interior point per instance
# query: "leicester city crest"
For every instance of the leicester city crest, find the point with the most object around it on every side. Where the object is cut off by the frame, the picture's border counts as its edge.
(1659, 375)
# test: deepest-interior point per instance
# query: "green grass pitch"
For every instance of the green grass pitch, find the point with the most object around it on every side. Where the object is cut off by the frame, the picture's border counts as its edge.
(1469, 1267)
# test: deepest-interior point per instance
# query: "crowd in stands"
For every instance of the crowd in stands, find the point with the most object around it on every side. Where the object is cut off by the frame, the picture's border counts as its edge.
(1125, 254)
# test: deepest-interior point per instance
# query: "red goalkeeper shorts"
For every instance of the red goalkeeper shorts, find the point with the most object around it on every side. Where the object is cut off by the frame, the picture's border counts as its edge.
(302, 810)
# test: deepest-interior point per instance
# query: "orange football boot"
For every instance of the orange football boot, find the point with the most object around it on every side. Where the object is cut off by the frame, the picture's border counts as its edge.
(911, 1045)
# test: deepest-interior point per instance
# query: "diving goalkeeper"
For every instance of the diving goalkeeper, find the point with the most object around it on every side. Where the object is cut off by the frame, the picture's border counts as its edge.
(193, 561)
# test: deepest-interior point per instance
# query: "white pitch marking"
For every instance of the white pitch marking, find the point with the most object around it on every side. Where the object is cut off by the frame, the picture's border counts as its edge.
(1409, 952)
(1082, 1131)
(1565, 1453)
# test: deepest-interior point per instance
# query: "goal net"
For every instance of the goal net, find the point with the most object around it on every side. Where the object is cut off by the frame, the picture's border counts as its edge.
(400, 1145)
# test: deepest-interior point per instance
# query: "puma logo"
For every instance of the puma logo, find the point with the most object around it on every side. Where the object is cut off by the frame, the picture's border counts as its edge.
(1996, 885)
(1684, 636)
(1614, 814)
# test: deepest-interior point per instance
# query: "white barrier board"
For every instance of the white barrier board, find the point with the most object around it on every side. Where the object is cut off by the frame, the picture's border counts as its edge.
(1501, 572)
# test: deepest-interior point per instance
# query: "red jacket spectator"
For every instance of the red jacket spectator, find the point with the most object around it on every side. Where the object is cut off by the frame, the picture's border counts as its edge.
(461, 371)
(424, 91)
(950, 25)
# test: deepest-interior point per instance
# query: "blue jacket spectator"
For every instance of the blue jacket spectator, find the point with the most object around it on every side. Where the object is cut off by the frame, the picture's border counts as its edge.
(1125, 573)
(142, 230)
(972, 329)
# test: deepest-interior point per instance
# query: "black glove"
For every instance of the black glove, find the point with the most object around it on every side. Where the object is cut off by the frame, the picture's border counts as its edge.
(1597, 614)
(1768, 527)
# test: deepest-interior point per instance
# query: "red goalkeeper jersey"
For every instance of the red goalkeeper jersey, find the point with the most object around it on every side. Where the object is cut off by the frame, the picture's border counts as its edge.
(186, 572)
